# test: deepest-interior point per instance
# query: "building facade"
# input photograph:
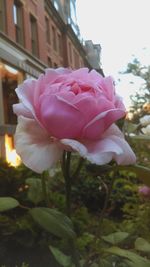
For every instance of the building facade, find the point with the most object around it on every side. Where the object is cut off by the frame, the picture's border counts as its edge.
(34, 35)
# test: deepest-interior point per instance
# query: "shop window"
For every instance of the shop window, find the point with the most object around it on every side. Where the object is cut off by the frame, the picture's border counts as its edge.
(10, 79)
(34, 36)
(10, 153)
(18, 21)
(47, 30)
(2, 15)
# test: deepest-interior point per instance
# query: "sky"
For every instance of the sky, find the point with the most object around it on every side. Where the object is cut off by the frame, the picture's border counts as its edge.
(122, 28)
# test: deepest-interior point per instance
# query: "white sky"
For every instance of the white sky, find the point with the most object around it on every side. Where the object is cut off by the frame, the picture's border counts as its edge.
(122, 27)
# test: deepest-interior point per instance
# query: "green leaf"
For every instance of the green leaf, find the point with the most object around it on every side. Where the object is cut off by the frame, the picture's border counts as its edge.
(141, 137)
(142, 245)
(94, 265)
(35, 193)
(54, 222)
(7, 203)
(131, 127)
(60, 257)
(115, 238)
(105, 263)
(137, 260)
(143, 173)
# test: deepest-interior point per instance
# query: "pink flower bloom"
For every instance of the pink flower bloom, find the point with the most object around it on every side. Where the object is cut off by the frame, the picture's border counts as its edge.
(71, 110)
(144, 191)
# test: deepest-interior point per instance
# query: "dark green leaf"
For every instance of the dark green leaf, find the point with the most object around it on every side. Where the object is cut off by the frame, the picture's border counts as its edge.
(137, 260)
(60, 257)
(115, 238)
(7, 203)
(54, 222)
(140, 137)
(142, 245)
(105, 263)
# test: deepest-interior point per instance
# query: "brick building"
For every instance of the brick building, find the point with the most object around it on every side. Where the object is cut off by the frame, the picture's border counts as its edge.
(35, 34)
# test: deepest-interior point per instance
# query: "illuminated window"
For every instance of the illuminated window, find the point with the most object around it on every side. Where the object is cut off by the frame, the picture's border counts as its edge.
(18, 21)
(11, 156)
(10, 78)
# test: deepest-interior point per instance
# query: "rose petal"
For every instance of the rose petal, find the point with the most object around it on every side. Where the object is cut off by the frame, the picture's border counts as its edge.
(95, 128)
(19, 109)
(26, 95)
(34, 146)
(110, 147)
(60, 118)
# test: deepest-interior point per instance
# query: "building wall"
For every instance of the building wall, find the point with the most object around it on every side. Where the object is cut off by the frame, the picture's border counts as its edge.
(35, 36)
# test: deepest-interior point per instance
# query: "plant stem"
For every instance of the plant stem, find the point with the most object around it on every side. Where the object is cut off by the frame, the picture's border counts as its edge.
(67, 177)
(66, 172)
(108, 193)
(44, 188)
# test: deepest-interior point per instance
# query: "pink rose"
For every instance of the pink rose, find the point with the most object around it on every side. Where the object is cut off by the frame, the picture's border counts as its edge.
(144, 191)
(71, 110)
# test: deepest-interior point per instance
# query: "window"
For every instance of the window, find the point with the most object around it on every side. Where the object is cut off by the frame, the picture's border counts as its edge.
(70, 53)
(10, 79)
(54, 37)
(47, 30)
(49, 62)
(60, 44)
(18, 21)
(2, 15)
(73, 12)
(76, 59)
(55, 65)
(56, 5)
(34, 36)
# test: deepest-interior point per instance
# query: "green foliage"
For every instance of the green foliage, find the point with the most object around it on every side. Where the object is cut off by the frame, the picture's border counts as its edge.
(7, 203)
(61, 258)
(115, 238)
(133, 259)
(125, 220)
(35, 193)
(141, 172)
(54, 222)
(142, 245)
(137, 69)
(22, 265)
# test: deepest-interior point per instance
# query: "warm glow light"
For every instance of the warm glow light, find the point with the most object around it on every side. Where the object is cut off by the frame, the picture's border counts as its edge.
(11, 156)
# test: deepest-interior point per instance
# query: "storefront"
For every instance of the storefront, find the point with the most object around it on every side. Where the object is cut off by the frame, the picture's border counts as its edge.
(15, 66)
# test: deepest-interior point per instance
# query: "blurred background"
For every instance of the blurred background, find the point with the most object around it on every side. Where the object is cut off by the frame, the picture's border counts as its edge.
(108, 36)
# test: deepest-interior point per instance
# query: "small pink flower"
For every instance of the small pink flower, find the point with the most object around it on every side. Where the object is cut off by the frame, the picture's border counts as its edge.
(144, 191)
(71, 110)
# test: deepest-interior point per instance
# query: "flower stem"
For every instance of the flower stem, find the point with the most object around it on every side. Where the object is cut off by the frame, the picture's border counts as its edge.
(44, 188)
(66, 172)
(66, 160)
